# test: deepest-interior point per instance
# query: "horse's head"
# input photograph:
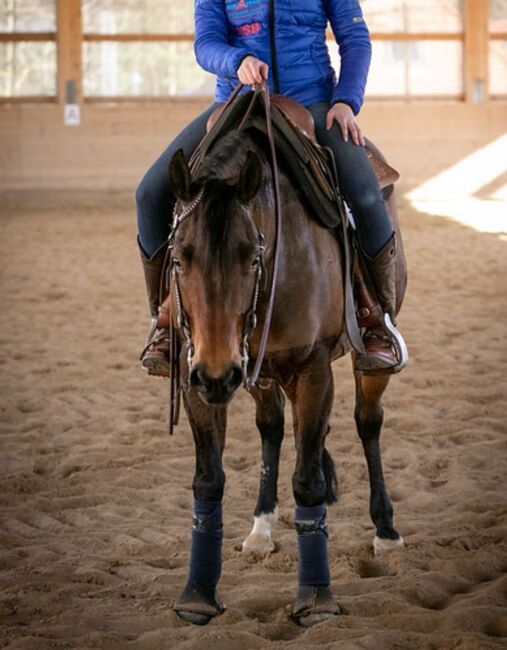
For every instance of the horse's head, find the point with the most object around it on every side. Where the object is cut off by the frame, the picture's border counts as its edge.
(216, 257)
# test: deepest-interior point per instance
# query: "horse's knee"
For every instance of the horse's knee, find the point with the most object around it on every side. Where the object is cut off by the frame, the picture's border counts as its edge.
(269, 416)
(369, 424)
(271, 429)
(309, 486)
(209, 486)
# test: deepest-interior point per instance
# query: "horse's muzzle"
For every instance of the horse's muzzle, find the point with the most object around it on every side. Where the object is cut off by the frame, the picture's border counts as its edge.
(216, 390)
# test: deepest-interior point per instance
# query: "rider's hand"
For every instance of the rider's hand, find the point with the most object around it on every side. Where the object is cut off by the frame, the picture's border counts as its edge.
(342, 113)
(252, 71)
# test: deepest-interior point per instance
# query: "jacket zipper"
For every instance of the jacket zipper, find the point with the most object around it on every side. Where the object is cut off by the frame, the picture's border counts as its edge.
(272, 42)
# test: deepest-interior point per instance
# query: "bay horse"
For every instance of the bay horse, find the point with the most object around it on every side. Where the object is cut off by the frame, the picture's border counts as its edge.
(220, 250)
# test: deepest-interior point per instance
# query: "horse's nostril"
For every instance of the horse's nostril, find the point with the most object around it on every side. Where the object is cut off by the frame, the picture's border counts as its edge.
(197, 377)
(234, 377)
(216, 390)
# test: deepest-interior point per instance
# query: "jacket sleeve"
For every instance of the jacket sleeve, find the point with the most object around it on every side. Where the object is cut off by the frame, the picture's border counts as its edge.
(211, 46)
(354, 46)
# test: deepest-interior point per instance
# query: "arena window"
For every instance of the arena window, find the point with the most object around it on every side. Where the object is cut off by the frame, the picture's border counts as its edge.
(417, 48)
(498, 48)
(135, 50)
(28, 49)
(140, 49)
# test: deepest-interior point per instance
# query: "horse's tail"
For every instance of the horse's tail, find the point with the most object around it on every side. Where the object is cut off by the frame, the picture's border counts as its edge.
(330, 476)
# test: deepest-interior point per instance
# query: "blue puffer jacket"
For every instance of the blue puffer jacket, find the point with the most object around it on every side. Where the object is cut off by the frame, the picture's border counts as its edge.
(290, 36)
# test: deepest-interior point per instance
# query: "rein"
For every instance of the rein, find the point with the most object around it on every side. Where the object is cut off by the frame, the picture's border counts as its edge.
(250, 322)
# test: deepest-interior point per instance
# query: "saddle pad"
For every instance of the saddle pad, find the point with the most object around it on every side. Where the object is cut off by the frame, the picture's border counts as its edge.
(311, 170)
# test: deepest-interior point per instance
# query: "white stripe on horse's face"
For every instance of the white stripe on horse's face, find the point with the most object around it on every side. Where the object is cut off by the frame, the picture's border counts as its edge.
(259, 541)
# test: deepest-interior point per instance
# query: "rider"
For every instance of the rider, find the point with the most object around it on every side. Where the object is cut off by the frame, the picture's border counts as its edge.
(283, 42)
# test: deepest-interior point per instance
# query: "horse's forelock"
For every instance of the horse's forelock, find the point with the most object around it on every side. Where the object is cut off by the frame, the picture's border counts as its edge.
(213, 234)
(219, 175)
(225, 160)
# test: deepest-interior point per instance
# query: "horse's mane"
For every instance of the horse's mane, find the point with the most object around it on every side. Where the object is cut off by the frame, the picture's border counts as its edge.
(218, 175)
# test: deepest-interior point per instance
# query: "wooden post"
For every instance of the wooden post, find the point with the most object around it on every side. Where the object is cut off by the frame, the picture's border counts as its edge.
(69, 42)
(476, 45)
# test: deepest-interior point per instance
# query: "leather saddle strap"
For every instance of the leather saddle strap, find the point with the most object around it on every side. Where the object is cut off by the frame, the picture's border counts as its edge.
(175, 379)
(277, 245)
(203, 146)
(349, 307)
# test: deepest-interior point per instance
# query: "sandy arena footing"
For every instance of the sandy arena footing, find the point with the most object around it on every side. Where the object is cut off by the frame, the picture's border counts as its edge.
(95, 497)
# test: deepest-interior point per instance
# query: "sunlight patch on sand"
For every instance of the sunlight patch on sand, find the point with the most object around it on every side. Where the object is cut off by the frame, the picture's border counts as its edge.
(453, 192)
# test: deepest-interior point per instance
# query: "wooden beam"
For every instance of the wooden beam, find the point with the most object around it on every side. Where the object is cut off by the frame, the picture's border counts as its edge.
(376, 36)
(28, 99)
(8, 37)
(146, 99)
(139, 37)
(416, 36)
(476, 50)
(69, 39)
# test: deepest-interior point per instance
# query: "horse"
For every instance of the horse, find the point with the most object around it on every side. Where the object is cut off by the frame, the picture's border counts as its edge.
(221, 263)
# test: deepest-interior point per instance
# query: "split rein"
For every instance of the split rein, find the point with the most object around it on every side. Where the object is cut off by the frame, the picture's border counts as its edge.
(250, 321)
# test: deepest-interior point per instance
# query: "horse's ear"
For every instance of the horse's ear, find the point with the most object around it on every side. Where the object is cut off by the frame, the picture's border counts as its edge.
(179, 176)
(250, 177)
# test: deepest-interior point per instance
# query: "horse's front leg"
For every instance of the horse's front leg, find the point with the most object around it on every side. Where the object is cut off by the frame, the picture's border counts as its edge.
(269, 419)
(199, 602)
(314, 485)
(369, 415)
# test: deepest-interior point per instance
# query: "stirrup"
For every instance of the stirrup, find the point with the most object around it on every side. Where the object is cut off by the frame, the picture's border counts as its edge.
(149, 338)
(369, 364)
(157, 362)
(153, 329)
(399, 344)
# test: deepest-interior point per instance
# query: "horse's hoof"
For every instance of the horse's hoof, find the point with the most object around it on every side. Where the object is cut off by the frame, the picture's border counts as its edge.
(258, 543)
(314, 605)
(192, 617)
(313, 619)
(381, 545)
(198, 604)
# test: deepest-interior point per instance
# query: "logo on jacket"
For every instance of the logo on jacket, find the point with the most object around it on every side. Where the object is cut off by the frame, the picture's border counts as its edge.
(249, 30)
(240, 8)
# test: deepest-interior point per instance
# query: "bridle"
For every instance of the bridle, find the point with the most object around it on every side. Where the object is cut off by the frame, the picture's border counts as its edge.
(250, 319)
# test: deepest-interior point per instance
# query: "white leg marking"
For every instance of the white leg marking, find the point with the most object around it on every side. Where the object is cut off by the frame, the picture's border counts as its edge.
(259, 540)
(383, 546)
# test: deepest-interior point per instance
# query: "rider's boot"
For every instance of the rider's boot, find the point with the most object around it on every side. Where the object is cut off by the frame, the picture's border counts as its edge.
(155, 359)
(381, 353)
